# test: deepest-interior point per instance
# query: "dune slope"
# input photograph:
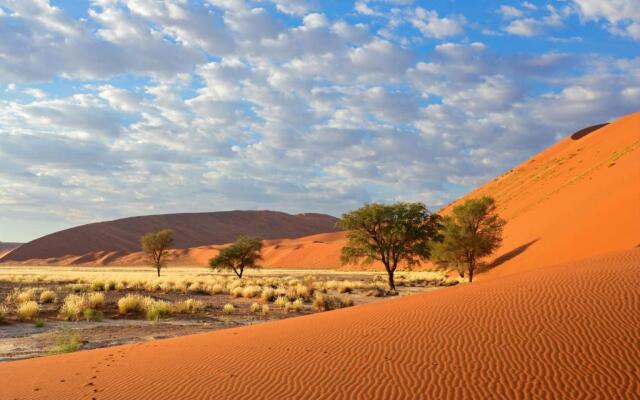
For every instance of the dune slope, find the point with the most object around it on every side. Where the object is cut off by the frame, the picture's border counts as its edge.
(569, 331)
(106, 242)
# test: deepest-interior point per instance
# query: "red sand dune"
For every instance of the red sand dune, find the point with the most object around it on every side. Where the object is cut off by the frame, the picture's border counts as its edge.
(107, 242)
(568, 331)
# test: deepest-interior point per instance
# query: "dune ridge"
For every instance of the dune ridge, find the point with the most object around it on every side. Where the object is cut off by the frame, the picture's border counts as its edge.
(567, 331)
(108, 242)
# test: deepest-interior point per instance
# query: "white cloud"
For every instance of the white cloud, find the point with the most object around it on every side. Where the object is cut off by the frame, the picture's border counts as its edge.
(510, 12)
(428, 22)
(622, 17)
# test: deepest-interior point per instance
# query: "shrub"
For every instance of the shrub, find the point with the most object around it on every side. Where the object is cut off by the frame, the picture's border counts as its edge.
(131, 303)
(265, 309)
(48, 296)
(39, 323)
(295, 306)
(72, 306)
(3, 312)
(281, 301)
(27, 310)
(326, 302)
(236, 291)
(255, 307)
(189, 305)
(228, 309)
(78, 288)
(120, 286)
(91, 314)
(95, 300)
(110, 285)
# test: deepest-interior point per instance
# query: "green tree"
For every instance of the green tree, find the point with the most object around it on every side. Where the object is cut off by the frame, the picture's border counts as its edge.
(243, 253)
(156, 245)
(393, 234)
(471, 232)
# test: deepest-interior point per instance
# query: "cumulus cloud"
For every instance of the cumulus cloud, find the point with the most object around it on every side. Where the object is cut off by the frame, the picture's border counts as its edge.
(621, 17)
(164, 106)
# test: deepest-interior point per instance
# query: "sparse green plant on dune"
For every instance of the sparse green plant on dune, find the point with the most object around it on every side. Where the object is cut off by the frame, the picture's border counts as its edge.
(394, 235)
(243, 253)
(65, 341)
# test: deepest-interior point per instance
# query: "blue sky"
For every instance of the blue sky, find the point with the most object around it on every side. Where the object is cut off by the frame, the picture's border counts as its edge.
(113, 108)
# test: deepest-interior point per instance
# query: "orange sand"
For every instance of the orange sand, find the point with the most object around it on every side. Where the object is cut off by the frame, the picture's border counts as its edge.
(569, 331)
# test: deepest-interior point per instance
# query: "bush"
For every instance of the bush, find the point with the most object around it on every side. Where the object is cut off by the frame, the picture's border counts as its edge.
(326, 302)
(236, 291)
(72, 306)
(216, 289)
(97, 286)
(91, 314)
(95, 300)
(48, 296)
(27, 310)
(3, 312)
(228, 309)
(295, 306)
(255, 307)
(265, 309)
(78, 288)
(131, 303)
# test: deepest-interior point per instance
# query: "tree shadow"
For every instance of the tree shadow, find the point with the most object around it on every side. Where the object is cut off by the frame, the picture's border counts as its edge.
(509, 255)
(584, 132)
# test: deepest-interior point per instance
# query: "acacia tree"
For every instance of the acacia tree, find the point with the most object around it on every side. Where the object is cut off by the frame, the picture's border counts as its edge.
(155, 245)
(243, 253)
(471, 232)
(393, 234)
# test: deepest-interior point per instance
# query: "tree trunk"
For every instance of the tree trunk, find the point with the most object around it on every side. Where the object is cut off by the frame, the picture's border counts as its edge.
(471, 268)
(392, 284)
(158, 269)
(241, 272)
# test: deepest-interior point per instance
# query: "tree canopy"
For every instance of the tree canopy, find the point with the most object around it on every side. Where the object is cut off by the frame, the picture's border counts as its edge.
(395, 234)
(471, 232)
(155, 245)
(243, 253)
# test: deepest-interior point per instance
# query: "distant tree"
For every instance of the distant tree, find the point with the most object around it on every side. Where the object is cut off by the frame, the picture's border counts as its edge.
(471, 232)
(243, 253)
(393, 234)
(155, 245)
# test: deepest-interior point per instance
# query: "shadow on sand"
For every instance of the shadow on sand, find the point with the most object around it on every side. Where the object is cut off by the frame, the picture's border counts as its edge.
(584, 132)
(509, 255)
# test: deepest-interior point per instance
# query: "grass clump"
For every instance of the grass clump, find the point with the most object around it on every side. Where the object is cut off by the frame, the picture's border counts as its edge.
(3, 312)
(228, 309)
(131, 303)
(72, 306)
(91, 314)
(26, 295)
(39, 323)
(95, 300)
(66, 341)
(48, 296)
(28, 310)
(265, 309)
(281, 301)
(268, 294)
(157, 309)
(97, 286)
(327, 302)
(188, 306)
(255, 307)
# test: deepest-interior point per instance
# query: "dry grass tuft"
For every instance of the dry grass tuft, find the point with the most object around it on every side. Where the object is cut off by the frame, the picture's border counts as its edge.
(131, 303)
(72, 306)
(326, 302)
(48, 296)
(27, 310)
(228, 309)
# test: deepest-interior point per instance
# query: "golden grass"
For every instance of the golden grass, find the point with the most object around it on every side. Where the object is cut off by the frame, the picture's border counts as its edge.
(228, 309)
(27, 310)
(48, 296)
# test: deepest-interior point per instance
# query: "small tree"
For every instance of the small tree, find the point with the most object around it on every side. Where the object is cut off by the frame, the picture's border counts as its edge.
(473, 231)
(155, 245)
(243, 253)
(392, 234)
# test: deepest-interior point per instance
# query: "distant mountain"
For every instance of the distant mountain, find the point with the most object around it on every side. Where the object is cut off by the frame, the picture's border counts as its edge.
(122, 236)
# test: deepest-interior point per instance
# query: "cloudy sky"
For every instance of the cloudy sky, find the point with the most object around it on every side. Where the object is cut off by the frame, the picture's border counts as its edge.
(113, 108)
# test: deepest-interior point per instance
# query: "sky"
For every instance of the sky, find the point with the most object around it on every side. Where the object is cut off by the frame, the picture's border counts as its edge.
(115, 108)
